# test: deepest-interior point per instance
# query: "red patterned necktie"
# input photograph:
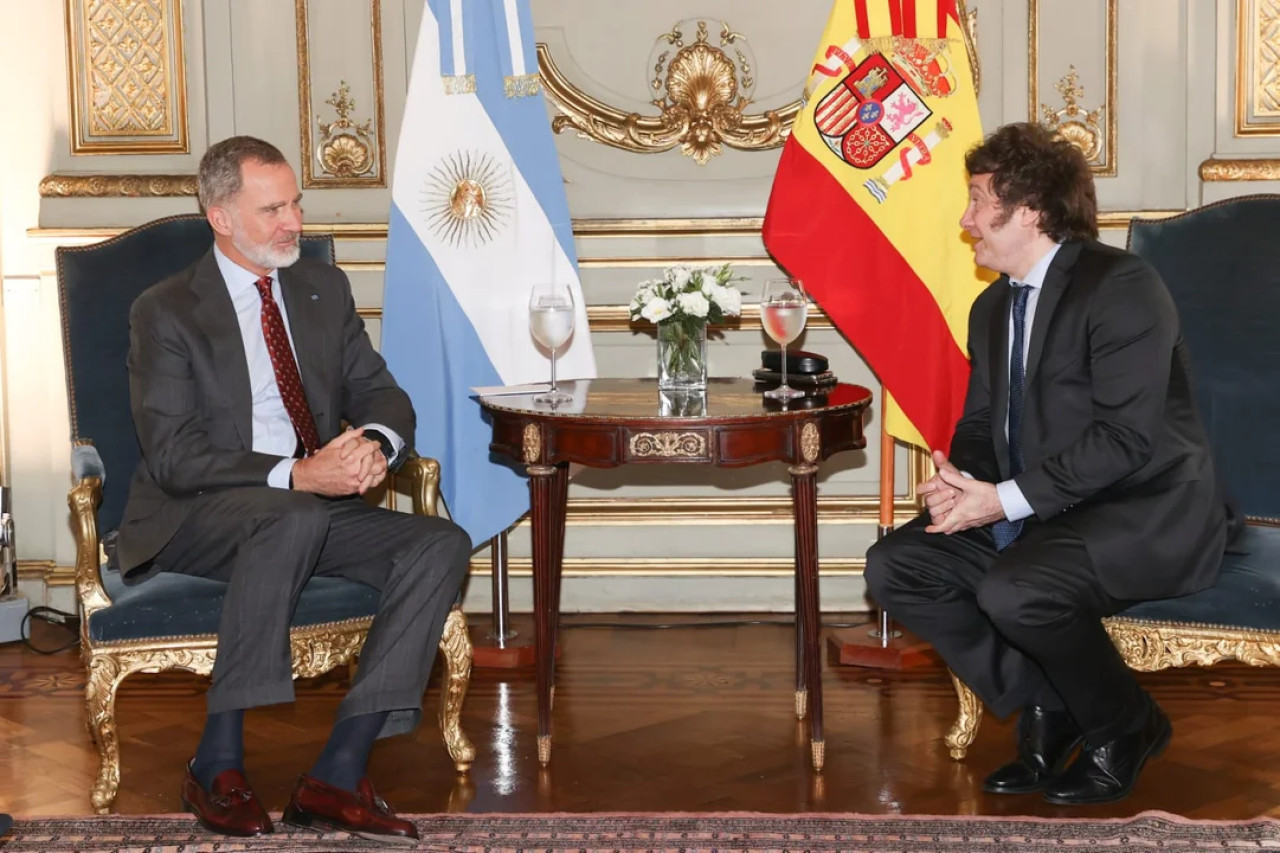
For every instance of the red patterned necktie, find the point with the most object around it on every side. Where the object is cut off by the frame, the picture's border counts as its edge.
(287, 378)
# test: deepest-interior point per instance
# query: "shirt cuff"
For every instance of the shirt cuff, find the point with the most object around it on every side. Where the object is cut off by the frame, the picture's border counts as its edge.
(1013, 503)
(397, 443)
(280, 475)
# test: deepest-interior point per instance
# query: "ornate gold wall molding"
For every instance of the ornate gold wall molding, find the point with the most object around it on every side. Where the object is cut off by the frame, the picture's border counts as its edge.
(1257, 68)
(127, 77)
(675, 567)
(341, 151)
(702, 85)
(617, 318)
(47, 572)
(1120, 218)
(1092, 131)
(123, 186)
(1215, 169)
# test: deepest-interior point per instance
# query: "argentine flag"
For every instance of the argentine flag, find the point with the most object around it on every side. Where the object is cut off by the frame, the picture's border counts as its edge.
(478, 216)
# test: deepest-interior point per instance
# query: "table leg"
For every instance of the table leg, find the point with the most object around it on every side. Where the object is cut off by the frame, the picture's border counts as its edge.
(560, 489)
(802, 691)
(547, 505)
(804, 496)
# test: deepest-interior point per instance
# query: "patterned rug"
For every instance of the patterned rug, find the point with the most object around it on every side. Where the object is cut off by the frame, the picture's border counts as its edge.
(688, 833)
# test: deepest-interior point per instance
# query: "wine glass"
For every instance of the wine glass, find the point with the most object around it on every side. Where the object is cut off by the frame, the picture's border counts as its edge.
(551, 315)
(783, 311)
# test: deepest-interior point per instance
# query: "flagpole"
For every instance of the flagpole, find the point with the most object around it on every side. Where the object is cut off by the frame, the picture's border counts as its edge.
(881, 647)
(497, 651)
(888, 450)
(501, 602)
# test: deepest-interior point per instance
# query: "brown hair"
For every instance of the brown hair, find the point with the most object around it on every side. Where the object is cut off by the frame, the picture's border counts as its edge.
(219, 176)
(1033, 167)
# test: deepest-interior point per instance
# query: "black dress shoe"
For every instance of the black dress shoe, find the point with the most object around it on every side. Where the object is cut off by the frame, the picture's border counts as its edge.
(1108, 772)
(1045, 742)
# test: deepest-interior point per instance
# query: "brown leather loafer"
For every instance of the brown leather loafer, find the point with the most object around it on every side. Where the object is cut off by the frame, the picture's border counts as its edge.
(230, 808)
(318, 805)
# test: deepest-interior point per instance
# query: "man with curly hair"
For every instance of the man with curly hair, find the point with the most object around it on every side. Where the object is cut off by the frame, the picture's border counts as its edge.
(1079, 481)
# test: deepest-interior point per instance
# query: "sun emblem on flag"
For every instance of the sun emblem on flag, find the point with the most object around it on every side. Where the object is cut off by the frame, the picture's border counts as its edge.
(468, 198)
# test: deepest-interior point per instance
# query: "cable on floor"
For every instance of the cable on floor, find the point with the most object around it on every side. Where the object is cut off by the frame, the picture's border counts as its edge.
(52, 616)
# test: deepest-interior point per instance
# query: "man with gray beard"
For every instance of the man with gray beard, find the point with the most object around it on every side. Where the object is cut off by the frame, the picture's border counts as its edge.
(242, 369)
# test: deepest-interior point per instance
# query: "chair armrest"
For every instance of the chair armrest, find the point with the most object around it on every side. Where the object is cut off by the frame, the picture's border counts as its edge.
(85, 462)
(84, 499)
(424, 477)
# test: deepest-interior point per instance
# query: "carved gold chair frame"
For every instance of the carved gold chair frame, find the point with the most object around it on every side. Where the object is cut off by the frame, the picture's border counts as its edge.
(316, 648)
(1146, 646)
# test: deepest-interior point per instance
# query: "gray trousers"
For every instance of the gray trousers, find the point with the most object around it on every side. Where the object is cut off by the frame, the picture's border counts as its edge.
(265, 543)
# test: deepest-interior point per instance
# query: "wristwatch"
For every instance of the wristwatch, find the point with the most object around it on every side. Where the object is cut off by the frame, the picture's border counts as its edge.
(388, 450)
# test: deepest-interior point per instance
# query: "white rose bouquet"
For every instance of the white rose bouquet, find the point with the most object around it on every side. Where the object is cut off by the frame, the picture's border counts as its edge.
(680, 304)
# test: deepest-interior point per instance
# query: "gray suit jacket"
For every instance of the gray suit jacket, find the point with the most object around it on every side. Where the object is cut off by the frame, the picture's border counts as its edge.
(1111, 438)
(191, 400)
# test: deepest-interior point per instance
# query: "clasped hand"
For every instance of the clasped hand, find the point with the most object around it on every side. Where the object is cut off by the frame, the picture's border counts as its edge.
(350, 464)
(957, 502)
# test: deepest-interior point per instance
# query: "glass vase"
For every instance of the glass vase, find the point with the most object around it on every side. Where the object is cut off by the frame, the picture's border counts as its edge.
(682, 355)
(682, 403)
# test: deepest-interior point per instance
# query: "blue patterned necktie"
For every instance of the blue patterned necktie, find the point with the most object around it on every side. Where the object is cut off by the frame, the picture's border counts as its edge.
(1005, 532)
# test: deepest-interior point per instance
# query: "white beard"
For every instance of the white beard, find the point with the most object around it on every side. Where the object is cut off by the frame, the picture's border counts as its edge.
(267, 256)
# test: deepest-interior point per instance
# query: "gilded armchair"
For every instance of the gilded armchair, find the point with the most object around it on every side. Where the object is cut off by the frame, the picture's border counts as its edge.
(170, 621)
(1221, 262)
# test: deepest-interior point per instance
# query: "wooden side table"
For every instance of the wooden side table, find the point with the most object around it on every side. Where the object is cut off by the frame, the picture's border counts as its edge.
(613, 422)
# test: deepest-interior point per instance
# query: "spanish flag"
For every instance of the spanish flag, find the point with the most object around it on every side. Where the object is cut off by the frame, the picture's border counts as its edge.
(867, 200)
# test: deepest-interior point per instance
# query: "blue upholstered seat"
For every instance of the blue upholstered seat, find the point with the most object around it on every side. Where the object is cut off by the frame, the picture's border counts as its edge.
(1247, 594)
(174, 605)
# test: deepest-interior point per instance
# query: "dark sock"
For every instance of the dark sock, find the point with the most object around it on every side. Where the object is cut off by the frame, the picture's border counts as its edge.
(221, 747)
(345, 757)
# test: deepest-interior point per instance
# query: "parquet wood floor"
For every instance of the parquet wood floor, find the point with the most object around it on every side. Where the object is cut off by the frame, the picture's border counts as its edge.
(683, 719)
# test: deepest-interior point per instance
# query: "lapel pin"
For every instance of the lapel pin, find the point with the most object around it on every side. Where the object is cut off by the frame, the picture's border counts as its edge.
(315, 297)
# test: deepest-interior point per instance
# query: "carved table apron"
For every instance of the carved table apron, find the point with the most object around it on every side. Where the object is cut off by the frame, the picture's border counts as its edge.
(613, 422)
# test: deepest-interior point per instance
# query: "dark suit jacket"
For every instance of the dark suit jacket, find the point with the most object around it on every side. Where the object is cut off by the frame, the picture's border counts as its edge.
(190, 394)
(1111, 440)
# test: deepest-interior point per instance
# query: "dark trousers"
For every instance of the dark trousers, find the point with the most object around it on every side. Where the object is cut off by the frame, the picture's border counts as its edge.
(266, 543)
(1020, 627)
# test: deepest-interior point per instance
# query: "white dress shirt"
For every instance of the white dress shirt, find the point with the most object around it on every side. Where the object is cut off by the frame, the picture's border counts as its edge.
(273, 431)
(1011, 498)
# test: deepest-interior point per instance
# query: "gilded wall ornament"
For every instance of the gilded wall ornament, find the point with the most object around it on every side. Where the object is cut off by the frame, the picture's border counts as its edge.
(345, 152)
(1094, 132)
(346, 149)
(110, 186)
(1257, 80)
(701, 84)
(127, 75)
(969, 17)
(1081, 127)
(1239, 169)
(1255, 169)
